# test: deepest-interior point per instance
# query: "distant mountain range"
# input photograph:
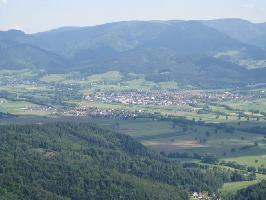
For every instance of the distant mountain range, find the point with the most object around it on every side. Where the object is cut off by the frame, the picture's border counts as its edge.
(216, 53)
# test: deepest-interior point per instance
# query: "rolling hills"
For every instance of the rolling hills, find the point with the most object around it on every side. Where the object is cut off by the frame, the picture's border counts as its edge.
(199, 53)
(15, 54)
(242, 30)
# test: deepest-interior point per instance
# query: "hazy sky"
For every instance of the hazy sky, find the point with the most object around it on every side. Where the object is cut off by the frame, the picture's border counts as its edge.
(40, 15)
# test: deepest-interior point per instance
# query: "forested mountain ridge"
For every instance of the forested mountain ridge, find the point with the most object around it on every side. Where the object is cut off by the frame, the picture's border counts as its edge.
(178, 37)
(242, 30)
(81, 161)
(153, 48)
(17, 54)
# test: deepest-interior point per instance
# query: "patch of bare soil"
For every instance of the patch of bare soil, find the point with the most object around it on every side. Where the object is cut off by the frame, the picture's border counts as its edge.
(173, 145)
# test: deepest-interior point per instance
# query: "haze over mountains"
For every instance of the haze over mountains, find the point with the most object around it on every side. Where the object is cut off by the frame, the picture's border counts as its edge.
(216, 53)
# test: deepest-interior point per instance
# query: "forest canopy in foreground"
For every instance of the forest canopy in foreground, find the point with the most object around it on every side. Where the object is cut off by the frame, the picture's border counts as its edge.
(81, 161)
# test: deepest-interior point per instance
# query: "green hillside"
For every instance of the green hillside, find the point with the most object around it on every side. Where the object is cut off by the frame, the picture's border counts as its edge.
(198, 53)
(257, 192)
(16, 54)
(81, 161)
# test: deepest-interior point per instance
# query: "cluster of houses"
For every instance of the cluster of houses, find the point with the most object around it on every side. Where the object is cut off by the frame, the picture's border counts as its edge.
(16, 80)
(39, 108)
(161, 98)
(204, 196)
(101, 112)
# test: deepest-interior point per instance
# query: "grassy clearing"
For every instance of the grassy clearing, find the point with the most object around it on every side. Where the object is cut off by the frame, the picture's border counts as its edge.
(14, 107)
(21, 108)
(229, 189)
(52, 78)
(247, 105)
(108, 76)
(26, 73)
(255, 161)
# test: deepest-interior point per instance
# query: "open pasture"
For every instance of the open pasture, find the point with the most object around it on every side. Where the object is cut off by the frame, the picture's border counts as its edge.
(162, 136)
